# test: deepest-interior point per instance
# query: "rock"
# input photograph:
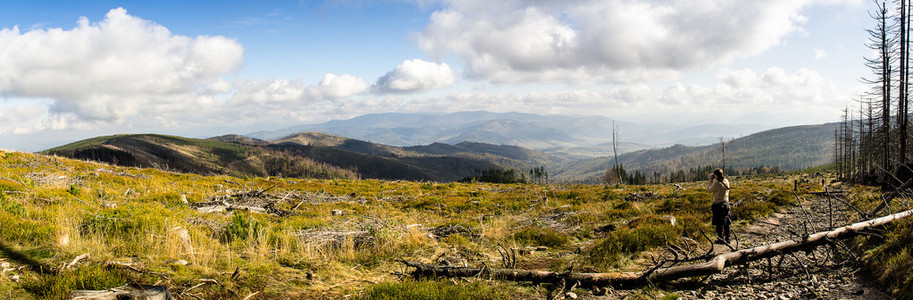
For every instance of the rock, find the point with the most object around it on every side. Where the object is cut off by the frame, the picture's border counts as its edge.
(337, 212)
(180, 262)
(184, 199)
(183, 234)
(670, 219)
(570, 295)
(14, 278)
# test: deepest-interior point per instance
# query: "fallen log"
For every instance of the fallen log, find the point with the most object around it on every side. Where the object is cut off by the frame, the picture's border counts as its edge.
(150, 292)
(636, 279)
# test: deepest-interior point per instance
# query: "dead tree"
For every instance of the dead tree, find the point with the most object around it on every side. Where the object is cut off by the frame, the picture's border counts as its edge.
(637, 279)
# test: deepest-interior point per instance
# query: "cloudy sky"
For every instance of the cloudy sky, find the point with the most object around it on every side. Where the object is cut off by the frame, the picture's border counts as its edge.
(76, 69)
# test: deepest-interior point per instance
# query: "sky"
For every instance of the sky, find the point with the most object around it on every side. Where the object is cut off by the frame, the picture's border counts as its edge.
(71, 70)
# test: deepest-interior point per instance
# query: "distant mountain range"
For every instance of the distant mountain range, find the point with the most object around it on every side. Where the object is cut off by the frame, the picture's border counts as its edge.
(588, 136)
(571, 149)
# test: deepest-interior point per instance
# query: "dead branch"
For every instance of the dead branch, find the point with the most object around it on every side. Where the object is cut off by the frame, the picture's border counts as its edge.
(635, 279)
(76, 260)
(887, 199)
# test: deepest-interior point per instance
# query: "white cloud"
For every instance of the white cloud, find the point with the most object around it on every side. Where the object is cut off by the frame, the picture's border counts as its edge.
(112, 69)
(285, 91)
(819, 53)
(603, 40)
(416, 75)
(340, 86)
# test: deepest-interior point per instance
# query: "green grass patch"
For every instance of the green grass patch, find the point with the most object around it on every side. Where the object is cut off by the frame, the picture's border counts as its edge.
(60, 285)
(539, 236)
(433, 289)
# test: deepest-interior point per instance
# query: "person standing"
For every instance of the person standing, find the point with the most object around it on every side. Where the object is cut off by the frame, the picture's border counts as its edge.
(719, 188)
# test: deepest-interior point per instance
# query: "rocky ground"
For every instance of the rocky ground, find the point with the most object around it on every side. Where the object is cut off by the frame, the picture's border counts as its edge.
(826, 273)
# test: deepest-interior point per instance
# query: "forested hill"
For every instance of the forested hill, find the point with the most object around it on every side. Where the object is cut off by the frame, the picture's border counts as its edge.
(303, 155)
(788, 148)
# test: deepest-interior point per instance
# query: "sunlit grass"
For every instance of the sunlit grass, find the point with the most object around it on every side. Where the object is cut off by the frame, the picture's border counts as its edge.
(66, 208)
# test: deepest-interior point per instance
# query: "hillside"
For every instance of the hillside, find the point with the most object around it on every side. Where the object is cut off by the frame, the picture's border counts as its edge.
(187, 155)
(306, 155)
(76, 225)
(789, 148)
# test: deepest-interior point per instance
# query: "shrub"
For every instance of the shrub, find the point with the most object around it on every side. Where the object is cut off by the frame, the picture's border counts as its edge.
(750, 210)
(782, 197)
(11, 206)
(538, 236)
(893, 260)
(59, 286)
(74, 190)
(241, 228)
(628, 241)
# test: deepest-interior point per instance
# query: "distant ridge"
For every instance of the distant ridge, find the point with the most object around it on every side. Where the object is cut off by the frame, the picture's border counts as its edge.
(575, 135)
(788, 148)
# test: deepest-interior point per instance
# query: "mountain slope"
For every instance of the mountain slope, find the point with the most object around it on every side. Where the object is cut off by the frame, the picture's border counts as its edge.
(788, 148)
(209, 156)
(299, 155)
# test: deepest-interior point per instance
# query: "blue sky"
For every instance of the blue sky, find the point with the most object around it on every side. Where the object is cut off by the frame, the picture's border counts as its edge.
(76, 69)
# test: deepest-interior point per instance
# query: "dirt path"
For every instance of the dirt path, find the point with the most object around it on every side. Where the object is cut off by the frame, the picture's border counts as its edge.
(815, 275)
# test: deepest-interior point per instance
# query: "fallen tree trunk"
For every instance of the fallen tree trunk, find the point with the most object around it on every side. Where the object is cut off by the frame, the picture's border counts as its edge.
(635, 279)
(149, 292)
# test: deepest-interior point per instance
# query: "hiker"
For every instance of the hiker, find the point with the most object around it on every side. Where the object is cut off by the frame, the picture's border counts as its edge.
(719, 188)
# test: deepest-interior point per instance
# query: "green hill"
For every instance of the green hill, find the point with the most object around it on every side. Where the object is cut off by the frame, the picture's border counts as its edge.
(306, 155)
(199, 156)
(789, 148)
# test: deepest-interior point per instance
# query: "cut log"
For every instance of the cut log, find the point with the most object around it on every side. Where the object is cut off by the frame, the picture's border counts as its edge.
(635, 279)
(149, 292)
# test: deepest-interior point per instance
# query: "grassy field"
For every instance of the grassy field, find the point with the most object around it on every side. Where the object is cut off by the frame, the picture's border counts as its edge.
(328, 238)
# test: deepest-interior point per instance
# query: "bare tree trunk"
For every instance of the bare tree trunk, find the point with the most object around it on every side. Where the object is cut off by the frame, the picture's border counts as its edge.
(615, 149)
(636, 279)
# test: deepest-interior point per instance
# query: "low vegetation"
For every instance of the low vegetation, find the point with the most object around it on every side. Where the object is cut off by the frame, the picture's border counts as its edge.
(227, 237)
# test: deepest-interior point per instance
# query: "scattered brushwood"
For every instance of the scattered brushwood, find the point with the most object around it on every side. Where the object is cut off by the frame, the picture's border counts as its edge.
(444, 231)
(640, 196)
(258, 201)
(665, 270)
(121, 173)
(264, 201)
(329, 238)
